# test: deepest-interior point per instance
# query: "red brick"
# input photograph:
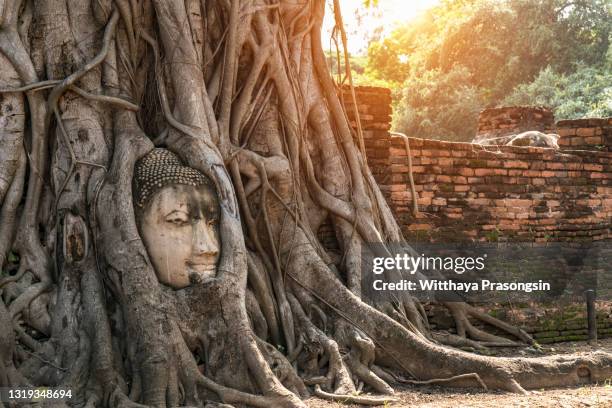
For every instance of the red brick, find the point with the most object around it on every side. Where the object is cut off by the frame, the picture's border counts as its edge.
(566, 132)
(419, 227)
(593, 167)
(586, 132)
(397, 152)
(517, 202)
(479, 201)
(594, 140)
(443, 153)
(555, 166)
(515, 164)
(484, 172)
(576, 141)
(438, 201)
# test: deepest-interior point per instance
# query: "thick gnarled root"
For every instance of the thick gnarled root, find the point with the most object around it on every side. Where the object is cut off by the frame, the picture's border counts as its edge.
(461, 311)
(360, 356)
(323, 350)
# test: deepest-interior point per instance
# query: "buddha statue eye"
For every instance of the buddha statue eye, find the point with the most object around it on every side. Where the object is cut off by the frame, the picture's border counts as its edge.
(178, 218)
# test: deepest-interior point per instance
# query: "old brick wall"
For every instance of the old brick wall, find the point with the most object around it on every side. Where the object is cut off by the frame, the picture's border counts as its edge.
(499, 122)
(577, 134)
(545, 323)
(585, 134)
(488, 193)
(497, 193)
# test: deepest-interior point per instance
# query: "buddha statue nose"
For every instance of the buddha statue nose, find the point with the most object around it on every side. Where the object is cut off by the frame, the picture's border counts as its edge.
(205, 242)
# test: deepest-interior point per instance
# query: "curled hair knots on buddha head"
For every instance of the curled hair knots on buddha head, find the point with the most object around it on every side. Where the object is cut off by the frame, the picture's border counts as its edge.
(160, 168)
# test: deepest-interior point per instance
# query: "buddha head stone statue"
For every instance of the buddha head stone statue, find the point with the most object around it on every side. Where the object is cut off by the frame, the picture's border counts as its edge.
(177, 212)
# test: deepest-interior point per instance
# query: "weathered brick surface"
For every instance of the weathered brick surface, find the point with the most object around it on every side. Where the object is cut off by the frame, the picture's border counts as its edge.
(472, 192)
(585, 134)
(491, 193)
(499, 122)
(546, 323)
(502, 192)
(578, 134)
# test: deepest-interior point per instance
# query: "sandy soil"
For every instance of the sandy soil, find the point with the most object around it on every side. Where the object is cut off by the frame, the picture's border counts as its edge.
(437, 397)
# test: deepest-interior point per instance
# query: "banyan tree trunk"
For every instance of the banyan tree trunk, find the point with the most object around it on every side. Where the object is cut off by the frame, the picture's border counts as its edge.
(240, 91)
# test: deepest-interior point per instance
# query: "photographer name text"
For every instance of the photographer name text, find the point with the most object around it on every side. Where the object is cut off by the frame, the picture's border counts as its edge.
(450, 285)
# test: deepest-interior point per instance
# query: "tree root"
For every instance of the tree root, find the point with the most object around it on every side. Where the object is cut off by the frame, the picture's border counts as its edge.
(426, 360)
(337, 376)
(361, 355)
(460, 312)
(353, 399)
(8, 216)
(282, 369)
(460, 377)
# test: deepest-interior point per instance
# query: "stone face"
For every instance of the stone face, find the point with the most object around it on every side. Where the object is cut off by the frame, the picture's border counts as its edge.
(177, 213)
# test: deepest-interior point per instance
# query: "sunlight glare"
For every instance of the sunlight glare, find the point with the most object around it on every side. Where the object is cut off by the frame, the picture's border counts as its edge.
(361, 23)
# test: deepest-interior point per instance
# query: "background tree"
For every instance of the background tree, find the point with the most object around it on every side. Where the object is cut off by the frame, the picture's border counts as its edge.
(498, 46)
(240, 91)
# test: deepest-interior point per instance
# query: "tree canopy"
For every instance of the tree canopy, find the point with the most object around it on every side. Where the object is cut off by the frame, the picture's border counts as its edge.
(462, 56)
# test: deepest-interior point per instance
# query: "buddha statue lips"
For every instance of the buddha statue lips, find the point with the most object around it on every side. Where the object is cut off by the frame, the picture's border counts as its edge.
(178, 214)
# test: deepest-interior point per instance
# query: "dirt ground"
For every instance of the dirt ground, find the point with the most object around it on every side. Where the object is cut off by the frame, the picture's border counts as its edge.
(438, 397)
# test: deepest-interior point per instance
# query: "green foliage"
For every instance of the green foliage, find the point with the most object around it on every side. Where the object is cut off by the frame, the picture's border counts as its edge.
(429, 106)
(585, 93)
(465, 55)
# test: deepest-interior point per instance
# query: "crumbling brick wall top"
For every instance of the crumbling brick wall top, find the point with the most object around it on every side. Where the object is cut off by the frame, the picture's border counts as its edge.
(499, 122)
(586, 122)
(585, 134)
